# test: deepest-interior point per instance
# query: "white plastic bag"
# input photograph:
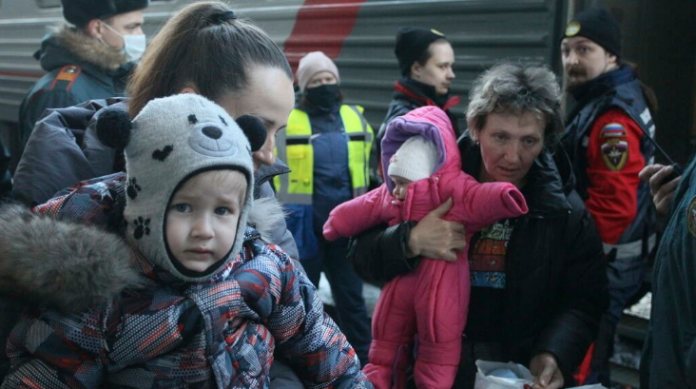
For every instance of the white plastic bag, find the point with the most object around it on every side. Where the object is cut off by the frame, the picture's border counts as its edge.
(486, 381)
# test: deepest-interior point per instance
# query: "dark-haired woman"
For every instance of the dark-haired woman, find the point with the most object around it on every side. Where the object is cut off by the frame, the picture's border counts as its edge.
(245, 73)
(538, 282)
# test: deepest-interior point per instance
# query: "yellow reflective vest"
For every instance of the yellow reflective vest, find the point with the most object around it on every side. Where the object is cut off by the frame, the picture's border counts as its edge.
(295, 148)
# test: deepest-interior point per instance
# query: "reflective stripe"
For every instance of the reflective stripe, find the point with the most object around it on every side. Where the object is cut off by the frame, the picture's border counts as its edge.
(295, 148)
(358, 149)
(630, 250)
(294, 198)
(298, 139)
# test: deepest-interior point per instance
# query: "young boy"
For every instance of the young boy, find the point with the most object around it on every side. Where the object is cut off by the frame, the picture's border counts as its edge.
(201, 301)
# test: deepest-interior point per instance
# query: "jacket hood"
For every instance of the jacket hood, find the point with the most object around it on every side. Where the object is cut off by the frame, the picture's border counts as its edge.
(70, 46)
(70, 266)
(73, 266)
(547, 185)
(429, 122)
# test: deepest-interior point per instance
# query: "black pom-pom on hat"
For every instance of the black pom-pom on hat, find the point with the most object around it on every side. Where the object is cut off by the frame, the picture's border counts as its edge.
(114, 127)
(254, 130)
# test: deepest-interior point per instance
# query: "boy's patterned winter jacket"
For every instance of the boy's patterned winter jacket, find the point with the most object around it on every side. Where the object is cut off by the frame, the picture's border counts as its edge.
(147, 330)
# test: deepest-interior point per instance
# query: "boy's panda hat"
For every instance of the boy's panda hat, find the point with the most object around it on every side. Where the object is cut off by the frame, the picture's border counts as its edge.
(171, 140)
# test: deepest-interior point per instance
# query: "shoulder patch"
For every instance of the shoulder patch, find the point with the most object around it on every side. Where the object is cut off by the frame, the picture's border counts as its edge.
(691, 216)
(615, 154)
(67, 74)
(613, 130)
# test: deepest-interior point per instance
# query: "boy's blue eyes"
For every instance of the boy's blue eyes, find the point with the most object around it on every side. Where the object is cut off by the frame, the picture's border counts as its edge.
(182, 208)
(222, 211)
(186, 208)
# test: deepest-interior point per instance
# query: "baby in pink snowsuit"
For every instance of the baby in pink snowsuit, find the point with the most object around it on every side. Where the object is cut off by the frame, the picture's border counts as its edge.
(432, 301)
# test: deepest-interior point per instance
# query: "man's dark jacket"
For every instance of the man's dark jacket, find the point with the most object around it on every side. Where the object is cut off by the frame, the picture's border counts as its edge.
(78, 68)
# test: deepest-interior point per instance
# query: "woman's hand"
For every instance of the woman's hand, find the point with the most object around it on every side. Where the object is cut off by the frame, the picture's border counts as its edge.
(662, 193)
(545, 368)
(435, 238)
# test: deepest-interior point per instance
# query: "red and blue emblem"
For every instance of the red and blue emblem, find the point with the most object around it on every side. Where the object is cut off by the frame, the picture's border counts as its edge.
(615, 154)
(613, 130)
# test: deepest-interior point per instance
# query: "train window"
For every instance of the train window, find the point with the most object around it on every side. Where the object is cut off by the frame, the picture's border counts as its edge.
(48, 3)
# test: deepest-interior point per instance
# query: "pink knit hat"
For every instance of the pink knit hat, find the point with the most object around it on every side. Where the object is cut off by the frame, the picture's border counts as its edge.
(313, 63)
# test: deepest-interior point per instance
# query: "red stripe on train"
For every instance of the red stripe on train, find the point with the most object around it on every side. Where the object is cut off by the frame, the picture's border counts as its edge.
(321, 27)
(21, 74)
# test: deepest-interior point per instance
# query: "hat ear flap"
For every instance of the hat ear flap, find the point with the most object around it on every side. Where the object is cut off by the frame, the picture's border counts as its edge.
(254, 130)
(114, 128)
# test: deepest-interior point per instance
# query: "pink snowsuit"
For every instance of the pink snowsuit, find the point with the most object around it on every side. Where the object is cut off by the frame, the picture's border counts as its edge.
(431, 301)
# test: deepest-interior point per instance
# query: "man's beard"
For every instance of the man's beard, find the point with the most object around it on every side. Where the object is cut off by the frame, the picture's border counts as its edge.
(575, 77)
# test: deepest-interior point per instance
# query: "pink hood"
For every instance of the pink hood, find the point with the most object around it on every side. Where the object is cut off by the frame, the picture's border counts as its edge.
(436, 126)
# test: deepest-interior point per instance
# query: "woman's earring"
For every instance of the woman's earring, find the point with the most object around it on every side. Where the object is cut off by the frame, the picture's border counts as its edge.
(478, 143)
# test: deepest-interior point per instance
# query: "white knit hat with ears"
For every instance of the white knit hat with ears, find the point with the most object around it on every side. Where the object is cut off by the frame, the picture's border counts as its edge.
(415, 160)
(171, 140)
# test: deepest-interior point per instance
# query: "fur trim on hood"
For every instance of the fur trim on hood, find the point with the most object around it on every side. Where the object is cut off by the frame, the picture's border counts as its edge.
(89, 49)
(266, 215)
(70, 266)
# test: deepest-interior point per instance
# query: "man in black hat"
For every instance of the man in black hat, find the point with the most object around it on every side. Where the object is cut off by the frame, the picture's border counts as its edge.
(89, 59)
(607, 138)
(425, 60)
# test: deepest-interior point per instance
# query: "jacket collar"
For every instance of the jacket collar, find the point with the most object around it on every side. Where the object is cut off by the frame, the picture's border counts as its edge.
(266, 173)
(601, 85)
(69, 46)
(424, 94)
(546, 188)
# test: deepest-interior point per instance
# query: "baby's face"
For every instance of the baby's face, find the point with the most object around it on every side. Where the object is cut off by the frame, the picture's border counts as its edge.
(202, 218)
(400, 187)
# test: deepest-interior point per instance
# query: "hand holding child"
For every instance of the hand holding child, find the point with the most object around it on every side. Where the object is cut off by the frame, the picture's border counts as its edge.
(433, 237)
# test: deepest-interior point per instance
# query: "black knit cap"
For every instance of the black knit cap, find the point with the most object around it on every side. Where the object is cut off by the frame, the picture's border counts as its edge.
(411, 43)
(598, 25)
(80, 12)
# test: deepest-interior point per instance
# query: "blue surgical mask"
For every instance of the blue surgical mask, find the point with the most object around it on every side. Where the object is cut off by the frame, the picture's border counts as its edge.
(133, 45)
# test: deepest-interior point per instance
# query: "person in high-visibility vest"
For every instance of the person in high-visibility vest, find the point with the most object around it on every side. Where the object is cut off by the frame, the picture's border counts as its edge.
(327, 147)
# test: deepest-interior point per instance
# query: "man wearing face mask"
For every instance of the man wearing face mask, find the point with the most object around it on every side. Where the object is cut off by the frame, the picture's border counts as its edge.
(88, 59)
(608, 139)
(327, 147)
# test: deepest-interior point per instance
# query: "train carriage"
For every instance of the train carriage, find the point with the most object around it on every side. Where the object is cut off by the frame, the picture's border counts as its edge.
(358, 34)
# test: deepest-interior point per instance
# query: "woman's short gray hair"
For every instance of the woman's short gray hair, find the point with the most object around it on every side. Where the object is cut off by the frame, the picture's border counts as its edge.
(516, 89)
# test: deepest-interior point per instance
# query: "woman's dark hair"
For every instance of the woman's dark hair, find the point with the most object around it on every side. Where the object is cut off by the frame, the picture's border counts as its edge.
(206, 47)
(517, 89)
(425, 56)
(648, 92)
